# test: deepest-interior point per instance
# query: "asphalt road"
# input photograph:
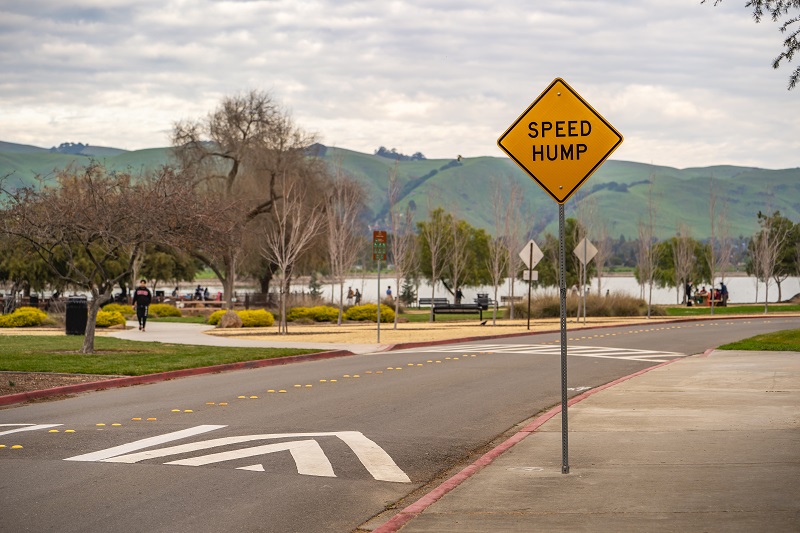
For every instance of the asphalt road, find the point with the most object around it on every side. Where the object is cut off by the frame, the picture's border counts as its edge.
(346, 439)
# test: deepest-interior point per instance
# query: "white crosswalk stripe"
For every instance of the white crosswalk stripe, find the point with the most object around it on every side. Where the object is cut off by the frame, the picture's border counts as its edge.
(629, 354)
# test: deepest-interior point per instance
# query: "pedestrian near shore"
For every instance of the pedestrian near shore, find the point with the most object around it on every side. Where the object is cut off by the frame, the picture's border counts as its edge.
(141, 303)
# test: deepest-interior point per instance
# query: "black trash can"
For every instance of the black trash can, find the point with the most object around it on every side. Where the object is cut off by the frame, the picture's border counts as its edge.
(76, 315)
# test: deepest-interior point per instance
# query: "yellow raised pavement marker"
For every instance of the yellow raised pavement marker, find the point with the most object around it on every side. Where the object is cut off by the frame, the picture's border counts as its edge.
(53, 431)
(69, 431)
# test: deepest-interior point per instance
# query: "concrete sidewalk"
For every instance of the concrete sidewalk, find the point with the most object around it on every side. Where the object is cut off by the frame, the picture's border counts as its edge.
(706, 443)
(178, 333)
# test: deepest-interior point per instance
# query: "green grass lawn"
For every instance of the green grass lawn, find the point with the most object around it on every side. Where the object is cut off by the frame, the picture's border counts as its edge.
(780, 341)
(730, 310)
(25, 353)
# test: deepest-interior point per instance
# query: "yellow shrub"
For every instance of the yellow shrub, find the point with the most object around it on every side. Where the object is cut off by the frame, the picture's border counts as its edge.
(124, 310)
(23, 317)
(107, 319)
(162, 310)
(258, 318)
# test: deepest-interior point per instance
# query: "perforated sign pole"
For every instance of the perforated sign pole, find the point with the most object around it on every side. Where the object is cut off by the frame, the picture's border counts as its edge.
(378, 254)
(562, 285)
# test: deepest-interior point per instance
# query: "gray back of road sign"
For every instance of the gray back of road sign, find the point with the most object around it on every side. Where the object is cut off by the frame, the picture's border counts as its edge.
(531, 257)
(585, 251)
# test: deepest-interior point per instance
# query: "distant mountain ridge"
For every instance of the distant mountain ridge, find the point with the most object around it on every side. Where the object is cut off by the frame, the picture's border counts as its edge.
(464, 186)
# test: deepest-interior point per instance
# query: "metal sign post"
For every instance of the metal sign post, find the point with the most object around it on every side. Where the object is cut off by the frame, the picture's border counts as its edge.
(562, 283)
(560, 140)
(379, 301)
(379, 254)
(585, 252)
(530, 255)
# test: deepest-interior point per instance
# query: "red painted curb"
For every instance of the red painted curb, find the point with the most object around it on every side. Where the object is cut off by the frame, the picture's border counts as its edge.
(164, 376)
(415, 509)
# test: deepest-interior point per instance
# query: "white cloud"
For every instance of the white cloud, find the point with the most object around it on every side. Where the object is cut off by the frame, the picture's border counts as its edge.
(687, 84)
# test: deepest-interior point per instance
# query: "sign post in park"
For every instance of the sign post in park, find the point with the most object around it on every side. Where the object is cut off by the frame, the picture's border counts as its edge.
(585, 252)
(379, 254)
(559, 141)
(530, 255)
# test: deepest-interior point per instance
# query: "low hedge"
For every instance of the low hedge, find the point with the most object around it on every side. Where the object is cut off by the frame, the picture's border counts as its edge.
(164, 310)
(319, 313)
(369, 312)
(23, 317)
(124, 310)
(106, 319)
(258, 318)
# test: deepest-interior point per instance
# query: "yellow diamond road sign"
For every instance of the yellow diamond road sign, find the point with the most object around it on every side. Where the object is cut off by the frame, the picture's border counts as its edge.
(560, 140)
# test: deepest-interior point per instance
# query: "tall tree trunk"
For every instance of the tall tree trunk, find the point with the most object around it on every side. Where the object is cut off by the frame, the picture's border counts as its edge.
(91, 320)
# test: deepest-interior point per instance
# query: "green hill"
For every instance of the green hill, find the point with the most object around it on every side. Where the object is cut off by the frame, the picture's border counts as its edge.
(619, 189)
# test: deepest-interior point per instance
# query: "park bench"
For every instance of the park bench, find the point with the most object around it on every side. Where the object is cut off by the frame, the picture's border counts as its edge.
(506, 299)
(435, 301)
(450, 309)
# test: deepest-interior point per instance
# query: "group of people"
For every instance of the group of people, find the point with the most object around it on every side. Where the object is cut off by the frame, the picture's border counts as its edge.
(351, 295)
(705, 297)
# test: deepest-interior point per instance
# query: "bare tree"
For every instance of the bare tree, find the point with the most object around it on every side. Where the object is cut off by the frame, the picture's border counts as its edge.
(498, 259)
(683, 257)
(459, 252)
(720, 246)
(295, 224)
(513, 237)
(90, 228)
(343, 206)
(646, 256)
(403, 240)
(236, 156)
(434, 234)
(766, 249)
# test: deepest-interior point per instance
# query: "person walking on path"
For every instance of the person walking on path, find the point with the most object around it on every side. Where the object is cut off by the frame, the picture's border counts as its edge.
(141, 302)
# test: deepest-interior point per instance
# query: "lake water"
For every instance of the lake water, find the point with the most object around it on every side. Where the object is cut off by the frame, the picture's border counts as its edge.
(741, 289)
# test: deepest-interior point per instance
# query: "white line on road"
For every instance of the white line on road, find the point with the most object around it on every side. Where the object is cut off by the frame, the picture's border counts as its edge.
(307, 455)
(372, 456)
(108, 453)
(26, 427)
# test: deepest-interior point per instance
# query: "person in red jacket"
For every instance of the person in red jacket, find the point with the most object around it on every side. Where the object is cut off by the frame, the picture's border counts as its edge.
(141, 301)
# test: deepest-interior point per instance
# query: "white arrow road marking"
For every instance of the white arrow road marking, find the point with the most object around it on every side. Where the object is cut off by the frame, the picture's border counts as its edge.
(108, 453)
(253, 468)
(372, 456)
(307, 455)
(26, 427)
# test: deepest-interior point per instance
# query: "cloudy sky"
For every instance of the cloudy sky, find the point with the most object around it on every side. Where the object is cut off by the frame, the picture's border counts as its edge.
(686, 84)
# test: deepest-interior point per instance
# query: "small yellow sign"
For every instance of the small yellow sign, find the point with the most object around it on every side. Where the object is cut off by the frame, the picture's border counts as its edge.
(560, 140)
